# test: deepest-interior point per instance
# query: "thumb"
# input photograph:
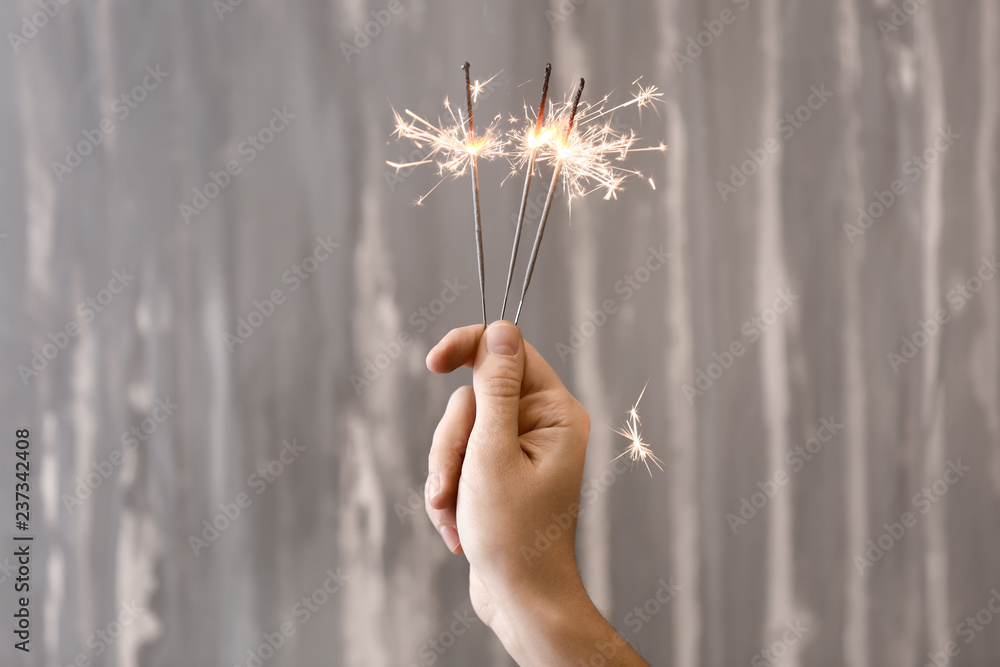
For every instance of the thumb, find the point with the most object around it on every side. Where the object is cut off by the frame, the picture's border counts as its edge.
(496, 378)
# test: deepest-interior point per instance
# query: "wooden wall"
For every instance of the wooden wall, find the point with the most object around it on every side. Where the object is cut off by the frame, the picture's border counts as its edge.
(341, 504)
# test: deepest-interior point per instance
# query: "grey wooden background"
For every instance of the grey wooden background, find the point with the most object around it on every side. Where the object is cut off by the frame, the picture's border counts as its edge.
(343, 503)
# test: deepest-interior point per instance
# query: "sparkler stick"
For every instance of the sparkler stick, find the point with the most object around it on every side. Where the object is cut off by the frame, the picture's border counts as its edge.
(534, 138)
(475, 194)
(548, 203)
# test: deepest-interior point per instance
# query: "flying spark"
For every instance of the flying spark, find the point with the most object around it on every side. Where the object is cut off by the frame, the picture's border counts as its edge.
(637, 450)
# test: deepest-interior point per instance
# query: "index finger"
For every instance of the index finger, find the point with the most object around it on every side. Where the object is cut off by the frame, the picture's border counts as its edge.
(458, 348)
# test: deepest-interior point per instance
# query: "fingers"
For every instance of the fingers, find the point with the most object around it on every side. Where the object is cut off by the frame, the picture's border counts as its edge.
(445, 464)
(448, 448)
(499, 369)
(456, 349)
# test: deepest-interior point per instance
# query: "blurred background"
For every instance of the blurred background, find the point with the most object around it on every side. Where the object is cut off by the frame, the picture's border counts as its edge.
(206, 262)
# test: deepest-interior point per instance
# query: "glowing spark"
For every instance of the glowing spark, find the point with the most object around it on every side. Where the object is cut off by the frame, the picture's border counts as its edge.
(478, 87)
(637, 450)
(651, 183)
(534, 139)
(448, 145)
(591, 157)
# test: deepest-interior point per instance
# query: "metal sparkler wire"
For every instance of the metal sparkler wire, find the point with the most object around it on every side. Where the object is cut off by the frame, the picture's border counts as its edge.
(475, 194)
(534, 139)
(548, 202)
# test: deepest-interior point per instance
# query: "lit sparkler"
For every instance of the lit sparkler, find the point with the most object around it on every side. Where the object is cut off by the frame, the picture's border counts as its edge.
(592, 156)
(475, 193)
(549, 199)
(448, 145)
(455, 148)
(587, 160)
(533, 139)
(637, 450)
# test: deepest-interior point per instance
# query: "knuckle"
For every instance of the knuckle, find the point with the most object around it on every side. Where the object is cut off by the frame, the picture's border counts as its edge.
(504, 382)
(462, 393)
(581, 420)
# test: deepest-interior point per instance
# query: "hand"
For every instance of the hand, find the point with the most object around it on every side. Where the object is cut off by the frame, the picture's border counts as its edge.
(503, 488)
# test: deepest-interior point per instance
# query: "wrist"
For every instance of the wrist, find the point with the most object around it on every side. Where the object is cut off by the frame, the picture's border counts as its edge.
(536, 622)
(561, 627)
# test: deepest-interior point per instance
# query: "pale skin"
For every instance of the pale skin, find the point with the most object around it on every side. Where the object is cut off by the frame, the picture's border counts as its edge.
(507, 462)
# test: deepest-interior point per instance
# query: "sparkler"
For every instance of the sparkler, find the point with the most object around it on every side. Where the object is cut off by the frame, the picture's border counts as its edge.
(584, 160)
(475, 194)
(592, 156)
(533, 139)
(548, 200)
(637, 450)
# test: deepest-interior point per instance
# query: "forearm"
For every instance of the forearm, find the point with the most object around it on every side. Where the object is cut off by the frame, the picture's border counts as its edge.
(568, 631)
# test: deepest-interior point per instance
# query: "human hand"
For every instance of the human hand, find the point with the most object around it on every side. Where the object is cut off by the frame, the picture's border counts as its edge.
(505, 467)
